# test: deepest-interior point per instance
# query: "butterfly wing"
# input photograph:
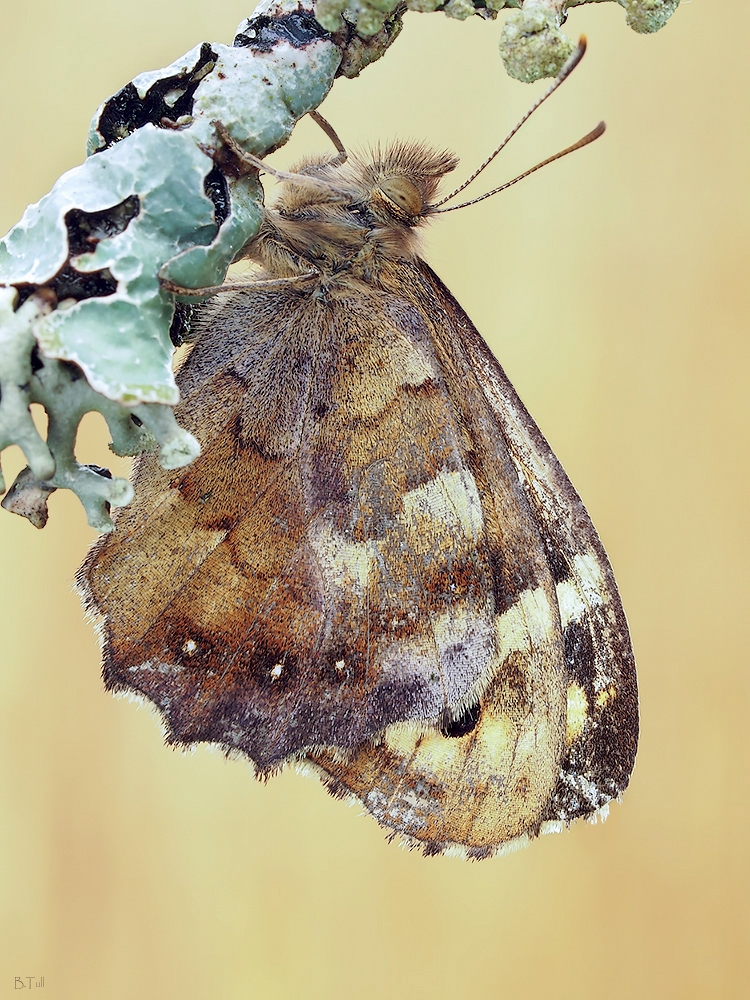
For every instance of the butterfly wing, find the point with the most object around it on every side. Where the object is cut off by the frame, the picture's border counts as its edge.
(321, 571)
(507, 774)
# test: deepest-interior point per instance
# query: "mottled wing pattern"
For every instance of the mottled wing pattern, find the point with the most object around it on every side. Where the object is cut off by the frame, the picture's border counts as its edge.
(603, 696)
(323, 570)
(517, 765)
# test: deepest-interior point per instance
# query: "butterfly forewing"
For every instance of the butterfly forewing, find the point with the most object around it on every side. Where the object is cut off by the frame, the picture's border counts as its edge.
(323, 570)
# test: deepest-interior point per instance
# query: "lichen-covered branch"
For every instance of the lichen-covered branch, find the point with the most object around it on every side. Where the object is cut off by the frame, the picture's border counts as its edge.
(532, 44)
(86, 321)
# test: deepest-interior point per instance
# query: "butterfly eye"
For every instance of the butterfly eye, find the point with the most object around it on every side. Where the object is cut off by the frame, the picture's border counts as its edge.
(403, 194)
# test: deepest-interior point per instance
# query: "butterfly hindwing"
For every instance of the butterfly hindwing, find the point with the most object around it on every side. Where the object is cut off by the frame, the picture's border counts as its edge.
(554, 734)
(602, 691)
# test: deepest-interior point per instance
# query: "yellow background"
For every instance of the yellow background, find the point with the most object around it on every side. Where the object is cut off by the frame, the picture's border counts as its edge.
(613, 286)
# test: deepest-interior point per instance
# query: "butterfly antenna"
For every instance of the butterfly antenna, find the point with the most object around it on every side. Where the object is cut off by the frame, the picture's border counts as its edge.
(593, 134)
(564, 73)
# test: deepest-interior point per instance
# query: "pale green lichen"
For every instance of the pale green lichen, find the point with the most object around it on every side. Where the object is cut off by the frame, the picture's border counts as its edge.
(498, 5)
(459, 9)
(16, 426)
(532, 46)
(369, 16)
(359, 52)
(648, 15)
(119, 340)
(424, 6)
(539, 20)
(90, 256)
(28, 377)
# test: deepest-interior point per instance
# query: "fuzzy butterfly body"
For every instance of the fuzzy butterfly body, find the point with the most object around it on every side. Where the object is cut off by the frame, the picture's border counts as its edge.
(376, 568)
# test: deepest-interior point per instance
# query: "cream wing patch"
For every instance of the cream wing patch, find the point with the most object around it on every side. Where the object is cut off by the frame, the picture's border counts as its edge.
(444, 647)
(491, 784)
(451, 499)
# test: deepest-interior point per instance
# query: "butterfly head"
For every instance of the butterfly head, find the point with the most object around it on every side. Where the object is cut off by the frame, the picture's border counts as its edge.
(392, 186)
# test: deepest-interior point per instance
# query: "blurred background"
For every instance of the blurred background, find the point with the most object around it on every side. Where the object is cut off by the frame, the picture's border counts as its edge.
(613, 287)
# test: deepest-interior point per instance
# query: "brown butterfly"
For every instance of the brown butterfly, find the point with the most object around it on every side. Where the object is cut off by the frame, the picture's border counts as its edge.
(376, 568)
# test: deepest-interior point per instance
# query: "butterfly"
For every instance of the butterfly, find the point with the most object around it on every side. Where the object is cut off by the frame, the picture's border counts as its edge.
(377, 569)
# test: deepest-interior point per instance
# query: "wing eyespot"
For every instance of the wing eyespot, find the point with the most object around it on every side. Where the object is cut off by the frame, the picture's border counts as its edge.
(466, 723)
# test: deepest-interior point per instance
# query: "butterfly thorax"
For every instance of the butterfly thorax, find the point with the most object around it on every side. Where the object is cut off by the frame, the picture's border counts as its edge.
(351, 219)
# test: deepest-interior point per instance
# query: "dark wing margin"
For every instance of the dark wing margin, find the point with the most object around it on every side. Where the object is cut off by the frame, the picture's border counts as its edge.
(602, 732)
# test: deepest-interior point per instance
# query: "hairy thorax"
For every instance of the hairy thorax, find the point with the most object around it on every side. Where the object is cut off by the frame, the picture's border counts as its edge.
(348, 221)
